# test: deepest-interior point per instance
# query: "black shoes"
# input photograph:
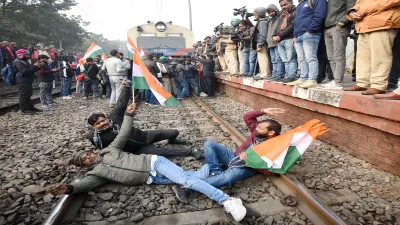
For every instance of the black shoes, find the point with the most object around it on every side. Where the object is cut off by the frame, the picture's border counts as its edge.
(180, 193)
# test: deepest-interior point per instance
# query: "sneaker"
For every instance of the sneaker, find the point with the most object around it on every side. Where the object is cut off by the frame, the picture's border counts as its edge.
(258, 77)
(288, 80)
(177, 141)
(196, 153)
(235, 207)
(66, 98)
(295, 83)
(146, 103)
(308, 84)
(112, 106)
(332, 85)
(84, 98)
(70, 96)
(180, 98)
(202, 94)
(180, 193)
(154, 104)
(45, 106)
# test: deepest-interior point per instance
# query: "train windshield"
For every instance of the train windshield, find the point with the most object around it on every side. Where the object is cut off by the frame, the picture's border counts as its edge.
(158, 42)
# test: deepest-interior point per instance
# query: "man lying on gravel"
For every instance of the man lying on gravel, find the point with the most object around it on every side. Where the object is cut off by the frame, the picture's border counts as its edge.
(106, 130)
(114, 165)
(218, 156)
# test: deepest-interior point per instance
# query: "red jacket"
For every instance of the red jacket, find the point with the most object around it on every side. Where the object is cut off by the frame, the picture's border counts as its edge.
(251, 121)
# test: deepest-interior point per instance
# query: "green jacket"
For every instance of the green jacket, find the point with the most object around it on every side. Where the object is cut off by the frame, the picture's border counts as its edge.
(117, 166)
(336, 13)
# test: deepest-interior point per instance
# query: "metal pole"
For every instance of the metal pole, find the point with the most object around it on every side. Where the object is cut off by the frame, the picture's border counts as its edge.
(190, 15)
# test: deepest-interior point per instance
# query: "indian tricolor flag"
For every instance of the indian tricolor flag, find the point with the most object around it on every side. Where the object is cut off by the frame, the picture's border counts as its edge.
(143, 79)
(280, 153)
(93, 50)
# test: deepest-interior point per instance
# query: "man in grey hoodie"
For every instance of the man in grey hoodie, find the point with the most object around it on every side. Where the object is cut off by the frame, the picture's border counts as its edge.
(278, 68)
(260, 40)
(113, 165)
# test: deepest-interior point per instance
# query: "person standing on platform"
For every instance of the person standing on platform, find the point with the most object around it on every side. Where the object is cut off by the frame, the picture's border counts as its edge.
(284, 36)
(308, 29)
(260, 42)
(377, 22)
(278, 68)
(249, 55)
(337, 31)
(231, 52)
(24, 78)
(113, 66)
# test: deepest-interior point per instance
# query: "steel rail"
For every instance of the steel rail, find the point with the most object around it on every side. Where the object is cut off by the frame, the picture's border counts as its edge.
(309, 204)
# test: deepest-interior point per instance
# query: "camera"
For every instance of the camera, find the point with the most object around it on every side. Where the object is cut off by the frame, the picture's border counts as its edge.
(242, 12)
(218, 28)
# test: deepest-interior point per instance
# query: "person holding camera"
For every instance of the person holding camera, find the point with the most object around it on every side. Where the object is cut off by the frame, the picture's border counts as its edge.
(24, 78)
(260, 42)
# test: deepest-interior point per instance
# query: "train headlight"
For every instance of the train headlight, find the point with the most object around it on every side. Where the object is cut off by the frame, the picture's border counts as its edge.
(161, 26)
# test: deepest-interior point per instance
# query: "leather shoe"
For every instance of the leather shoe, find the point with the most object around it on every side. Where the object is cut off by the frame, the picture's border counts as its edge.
(372, 91)
(355, 88)
(388, 96)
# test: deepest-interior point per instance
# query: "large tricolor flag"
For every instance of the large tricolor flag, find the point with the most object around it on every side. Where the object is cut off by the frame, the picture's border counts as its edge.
(143, 79)
(93, 50)
(280, 153)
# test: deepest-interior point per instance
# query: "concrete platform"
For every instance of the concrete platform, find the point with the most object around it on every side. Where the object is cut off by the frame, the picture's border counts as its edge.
(366, 128)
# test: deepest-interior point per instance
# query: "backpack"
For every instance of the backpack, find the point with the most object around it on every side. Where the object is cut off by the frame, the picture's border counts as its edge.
(9, 74)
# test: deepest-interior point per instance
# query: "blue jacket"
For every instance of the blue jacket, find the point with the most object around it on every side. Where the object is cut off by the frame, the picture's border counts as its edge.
(310, 19)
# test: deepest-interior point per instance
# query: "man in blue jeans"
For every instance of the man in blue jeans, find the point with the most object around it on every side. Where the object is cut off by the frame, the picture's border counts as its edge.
(177, 70)
(113, 165)
(249, 55)
(218, 156)
(278, 69)
(190, 77)
(284, 35)
(308, 28)
(66, 80)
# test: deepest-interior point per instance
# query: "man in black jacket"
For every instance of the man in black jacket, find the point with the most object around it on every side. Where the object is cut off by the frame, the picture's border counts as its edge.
(284, 36)
(208, 73)
(46, 78)
(154, 70)
(25, 76)
(91, 80)
(106, 130)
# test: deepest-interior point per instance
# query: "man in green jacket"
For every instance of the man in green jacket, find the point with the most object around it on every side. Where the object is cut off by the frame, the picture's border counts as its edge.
(113, 165)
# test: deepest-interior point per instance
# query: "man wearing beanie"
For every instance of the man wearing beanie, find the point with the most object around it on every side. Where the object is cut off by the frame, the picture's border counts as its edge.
(113, 165)
(25, 76)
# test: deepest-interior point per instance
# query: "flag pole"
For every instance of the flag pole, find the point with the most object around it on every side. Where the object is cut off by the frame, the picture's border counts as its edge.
(132, 80)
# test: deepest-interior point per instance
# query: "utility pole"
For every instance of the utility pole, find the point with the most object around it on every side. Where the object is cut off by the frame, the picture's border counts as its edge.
(190, 15)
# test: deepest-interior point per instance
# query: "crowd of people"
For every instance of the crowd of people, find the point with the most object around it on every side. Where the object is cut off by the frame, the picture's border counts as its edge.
(312, 37)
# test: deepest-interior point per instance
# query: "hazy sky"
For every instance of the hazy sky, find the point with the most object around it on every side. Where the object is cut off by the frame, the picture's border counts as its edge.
(113, 18)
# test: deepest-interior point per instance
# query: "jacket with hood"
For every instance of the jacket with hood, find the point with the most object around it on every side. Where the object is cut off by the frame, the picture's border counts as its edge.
(310, 18)
(115, 165)
(336, 13)
(25, 71)
(286, 32)
(260, 33)
(273, 26)
(378, 15)
(137, 138)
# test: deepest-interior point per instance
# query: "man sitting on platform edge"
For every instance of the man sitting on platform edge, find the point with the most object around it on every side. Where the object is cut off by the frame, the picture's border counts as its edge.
(106, 130)
(114, 165)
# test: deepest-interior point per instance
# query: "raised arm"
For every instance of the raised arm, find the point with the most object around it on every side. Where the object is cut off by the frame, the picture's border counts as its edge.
(126, 129)
(118, 112)
(250, 118)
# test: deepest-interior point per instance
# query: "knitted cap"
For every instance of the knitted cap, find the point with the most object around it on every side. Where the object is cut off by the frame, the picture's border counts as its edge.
(76, 158)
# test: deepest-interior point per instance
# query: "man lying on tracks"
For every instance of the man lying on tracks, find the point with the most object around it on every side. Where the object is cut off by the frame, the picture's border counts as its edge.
(218, 156)
(114, 165)
(106, 130)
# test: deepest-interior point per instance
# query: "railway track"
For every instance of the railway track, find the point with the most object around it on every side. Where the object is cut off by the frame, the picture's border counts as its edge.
(9, 100)
(197, 121)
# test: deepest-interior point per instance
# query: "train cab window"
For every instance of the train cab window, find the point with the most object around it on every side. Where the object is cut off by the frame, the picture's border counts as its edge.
(150, 42)
(174, 42)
